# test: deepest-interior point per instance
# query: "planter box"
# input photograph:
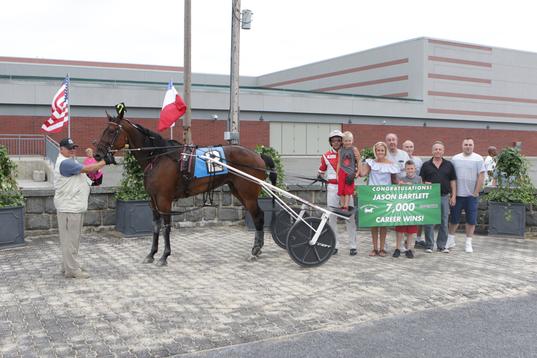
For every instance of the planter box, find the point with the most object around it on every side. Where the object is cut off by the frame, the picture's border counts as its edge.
(12, 226)
(507, 219)
(134, 218)
(266, 205)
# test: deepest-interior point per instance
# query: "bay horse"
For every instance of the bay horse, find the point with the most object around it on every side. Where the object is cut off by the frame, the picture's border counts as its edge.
(166, 181)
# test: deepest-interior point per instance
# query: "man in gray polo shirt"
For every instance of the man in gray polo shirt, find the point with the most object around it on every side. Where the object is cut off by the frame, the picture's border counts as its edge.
(470, 169)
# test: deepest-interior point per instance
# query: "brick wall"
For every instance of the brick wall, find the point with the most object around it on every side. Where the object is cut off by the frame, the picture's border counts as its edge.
(423, 138)
(85, 130)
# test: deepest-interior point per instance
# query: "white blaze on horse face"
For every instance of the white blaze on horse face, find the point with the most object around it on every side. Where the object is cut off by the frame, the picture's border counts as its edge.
(213, 167)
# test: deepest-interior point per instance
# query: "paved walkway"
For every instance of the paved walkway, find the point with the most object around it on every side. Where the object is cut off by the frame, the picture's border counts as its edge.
(211, 296)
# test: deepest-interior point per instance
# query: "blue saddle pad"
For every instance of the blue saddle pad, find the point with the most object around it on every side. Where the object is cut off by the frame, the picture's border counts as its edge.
(204, 168)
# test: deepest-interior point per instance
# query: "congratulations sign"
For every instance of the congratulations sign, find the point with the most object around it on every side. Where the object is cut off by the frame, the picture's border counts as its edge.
(398, 205)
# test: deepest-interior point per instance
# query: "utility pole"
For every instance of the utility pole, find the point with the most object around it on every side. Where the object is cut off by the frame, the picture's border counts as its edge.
(233, 121)
(187, 74)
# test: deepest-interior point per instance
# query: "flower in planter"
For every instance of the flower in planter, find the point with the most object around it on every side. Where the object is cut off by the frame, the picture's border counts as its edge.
(10, 193)
(273, 153)
(131, 186)
(513, 183)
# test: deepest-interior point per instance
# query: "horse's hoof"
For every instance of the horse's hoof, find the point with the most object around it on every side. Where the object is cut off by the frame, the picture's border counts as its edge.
(148, 260)
(252, 258)
(162, 263)
(256, 251)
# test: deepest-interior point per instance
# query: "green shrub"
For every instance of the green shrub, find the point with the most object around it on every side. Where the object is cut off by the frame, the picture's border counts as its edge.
(132, 182)
(367, 153)
(513, 182)
(10, 193)
(273, 153)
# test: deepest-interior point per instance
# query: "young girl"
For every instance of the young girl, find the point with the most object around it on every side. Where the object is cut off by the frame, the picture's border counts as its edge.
(381, 172)
(349, 165)
(97, 176)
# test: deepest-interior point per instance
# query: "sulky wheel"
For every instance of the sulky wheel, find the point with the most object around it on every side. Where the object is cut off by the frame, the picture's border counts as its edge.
(281, 224)
(299, 248)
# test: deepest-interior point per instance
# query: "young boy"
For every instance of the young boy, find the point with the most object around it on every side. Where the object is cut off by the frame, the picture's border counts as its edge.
(349, 166)
(410, 231)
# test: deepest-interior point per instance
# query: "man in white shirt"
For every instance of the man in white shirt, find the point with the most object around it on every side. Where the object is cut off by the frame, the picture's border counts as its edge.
(470, 170)
(398, 156)
(490, 165)
(408, 147)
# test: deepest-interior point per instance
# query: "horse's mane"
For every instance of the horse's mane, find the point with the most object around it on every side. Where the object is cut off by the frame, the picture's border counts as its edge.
(152, 139)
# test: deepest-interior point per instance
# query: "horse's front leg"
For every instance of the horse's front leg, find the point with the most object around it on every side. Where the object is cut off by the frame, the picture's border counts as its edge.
(259, 240)
(167, 247)
(156, 229)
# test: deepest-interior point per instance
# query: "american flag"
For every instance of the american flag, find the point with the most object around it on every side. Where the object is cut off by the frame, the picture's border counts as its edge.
(60, 109)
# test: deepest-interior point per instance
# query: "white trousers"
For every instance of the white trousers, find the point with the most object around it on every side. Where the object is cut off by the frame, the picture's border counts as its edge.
(70, 230)
(333, 202)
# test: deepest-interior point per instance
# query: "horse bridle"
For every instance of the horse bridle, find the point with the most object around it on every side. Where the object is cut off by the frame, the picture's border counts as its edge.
(119, 127)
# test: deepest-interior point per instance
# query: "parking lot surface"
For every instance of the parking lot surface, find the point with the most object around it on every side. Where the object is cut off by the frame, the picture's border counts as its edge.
(211, 295)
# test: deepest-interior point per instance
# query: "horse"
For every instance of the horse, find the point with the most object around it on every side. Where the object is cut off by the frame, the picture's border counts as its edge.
(165, 179)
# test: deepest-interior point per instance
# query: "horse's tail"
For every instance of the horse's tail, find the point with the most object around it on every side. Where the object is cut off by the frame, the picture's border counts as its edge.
(273, 176)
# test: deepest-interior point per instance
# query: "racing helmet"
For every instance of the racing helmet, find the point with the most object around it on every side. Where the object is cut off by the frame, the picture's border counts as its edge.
(335, 133)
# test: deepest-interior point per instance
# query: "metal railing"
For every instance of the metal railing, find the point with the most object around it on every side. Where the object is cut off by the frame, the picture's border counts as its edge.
(30, 145)
(52, 149)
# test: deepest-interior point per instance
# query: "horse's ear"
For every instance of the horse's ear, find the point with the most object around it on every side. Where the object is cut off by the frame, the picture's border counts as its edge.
(110, 118)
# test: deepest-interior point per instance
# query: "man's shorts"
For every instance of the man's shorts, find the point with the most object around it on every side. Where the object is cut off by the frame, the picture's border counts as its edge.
(412, 229)
(469, 204)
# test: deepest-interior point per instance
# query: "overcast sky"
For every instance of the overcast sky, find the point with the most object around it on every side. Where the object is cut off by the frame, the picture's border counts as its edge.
(284, 34)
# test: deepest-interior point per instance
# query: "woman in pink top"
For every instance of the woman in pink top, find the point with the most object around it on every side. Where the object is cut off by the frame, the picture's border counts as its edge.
(97, 176)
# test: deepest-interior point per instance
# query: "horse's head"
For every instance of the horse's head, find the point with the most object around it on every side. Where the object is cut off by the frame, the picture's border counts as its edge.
(113, 138)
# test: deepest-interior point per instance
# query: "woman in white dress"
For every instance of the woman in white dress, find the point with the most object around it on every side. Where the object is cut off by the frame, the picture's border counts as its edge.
(381, 171)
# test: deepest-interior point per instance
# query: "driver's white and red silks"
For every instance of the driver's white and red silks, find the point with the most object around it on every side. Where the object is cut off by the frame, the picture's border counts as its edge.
(328, 170)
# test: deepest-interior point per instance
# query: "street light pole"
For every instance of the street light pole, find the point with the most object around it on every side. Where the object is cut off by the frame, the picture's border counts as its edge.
(187, 75)
(233, 121)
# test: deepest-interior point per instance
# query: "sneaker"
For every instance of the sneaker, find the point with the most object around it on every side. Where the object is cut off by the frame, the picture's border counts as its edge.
(429, 251)
(353, 252)
(79, 274)
(334, 252)
(409, 254)
(396, 253)
(445, 250)
(419, 243)
(468, 245)
(451, 242)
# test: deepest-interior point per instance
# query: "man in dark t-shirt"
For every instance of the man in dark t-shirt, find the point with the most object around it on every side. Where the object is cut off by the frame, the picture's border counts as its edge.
(441, 171)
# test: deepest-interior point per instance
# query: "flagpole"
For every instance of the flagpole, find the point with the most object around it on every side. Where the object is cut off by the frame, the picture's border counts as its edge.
(68, 106)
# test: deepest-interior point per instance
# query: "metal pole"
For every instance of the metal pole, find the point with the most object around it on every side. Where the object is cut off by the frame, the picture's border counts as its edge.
(187, 75)
(233, 121)
(68, 106)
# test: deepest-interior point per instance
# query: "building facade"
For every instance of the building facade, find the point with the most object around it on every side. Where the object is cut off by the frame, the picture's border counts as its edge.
(422, 89)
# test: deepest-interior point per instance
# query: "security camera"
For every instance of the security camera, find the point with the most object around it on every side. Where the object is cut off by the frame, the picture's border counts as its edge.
(215, 116)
